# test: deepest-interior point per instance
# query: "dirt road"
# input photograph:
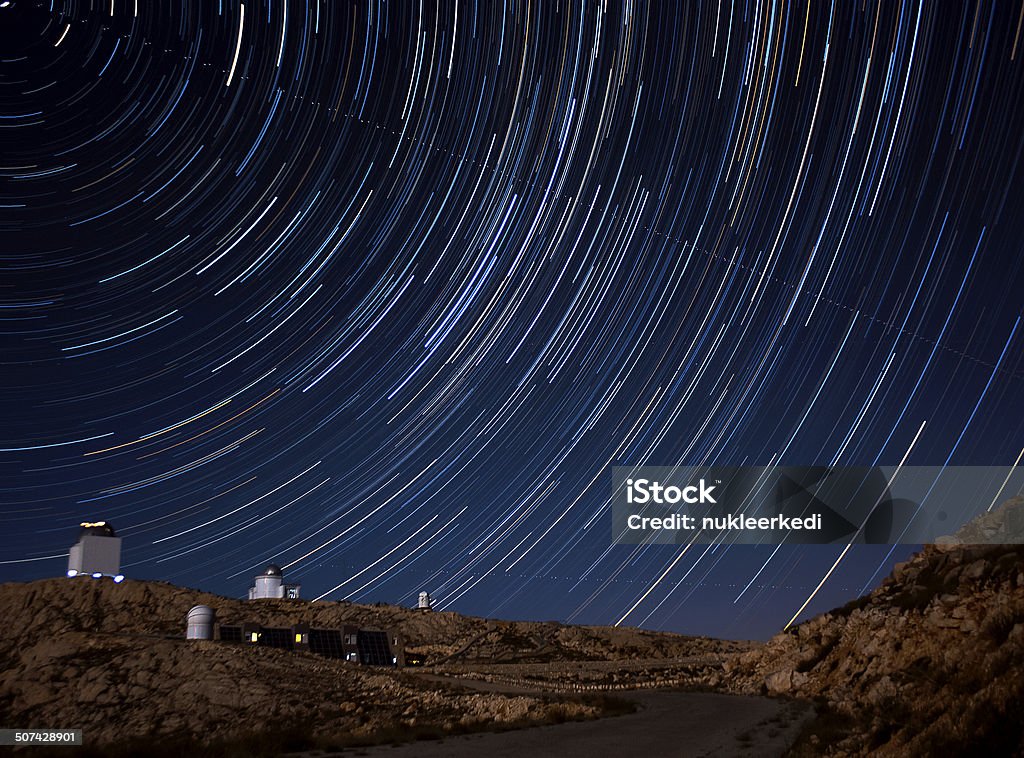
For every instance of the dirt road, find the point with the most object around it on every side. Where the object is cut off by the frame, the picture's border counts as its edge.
(665, 724)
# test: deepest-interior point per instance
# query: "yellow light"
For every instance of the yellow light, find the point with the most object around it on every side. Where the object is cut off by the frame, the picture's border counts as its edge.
(255, 637)
(87, 524)
(298, 638)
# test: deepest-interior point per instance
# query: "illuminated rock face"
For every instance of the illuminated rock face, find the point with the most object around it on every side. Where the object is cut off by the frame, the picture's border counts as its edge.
(98, 551)
(1003, 525)
(933, 658)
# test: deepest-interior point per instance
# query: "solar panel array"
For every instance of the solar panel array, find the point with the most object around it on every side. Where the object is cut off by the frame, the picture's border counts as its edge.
(326, 642)
(230, 633)
(271, 637)
(372, 645)
(374, 649)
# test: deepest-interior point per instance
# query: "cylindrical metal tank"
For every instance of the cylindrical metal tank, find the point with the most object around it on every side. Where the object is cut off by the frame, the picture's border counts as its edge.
(200, 623)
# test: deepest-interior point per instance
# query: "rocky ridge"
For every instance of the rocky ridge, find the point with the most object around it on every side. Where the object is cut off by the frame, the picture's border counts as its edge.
(933, 660)
(111, 659)
(57, 606)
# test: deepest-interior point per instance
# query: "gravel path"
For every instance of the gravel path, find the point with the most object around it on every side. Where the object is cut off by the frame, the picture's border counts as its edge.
(666, 724)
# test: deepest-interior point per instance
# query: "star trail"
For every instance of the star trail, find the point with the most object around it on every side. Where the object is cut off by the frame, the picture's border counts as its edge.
(382, 291)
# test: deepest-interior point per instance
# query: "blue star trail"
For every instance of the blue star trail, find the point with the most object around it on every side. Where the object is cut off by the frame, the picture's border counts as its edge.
(380, 292)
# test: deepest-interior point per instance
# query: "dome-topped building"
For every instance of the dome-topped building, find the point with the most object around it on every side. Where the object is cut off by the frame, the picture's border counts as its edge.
(270, 584)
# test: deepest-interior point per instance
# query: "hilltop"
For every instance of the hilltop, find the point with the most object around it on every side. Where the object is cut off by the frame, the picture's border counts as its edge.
(57, 606)
(931, 661)
(112, 659)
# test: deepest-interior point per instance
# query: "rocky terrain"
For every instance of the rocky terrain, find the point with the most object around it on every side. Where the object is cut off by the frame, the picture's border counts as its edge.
(112, 660)
(158, 608)
(932, 661)
(134, 693)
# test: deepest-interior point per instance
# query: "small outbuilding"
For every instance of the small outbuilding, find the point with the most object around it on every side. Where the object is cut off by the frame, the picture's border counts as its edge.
(200, 623)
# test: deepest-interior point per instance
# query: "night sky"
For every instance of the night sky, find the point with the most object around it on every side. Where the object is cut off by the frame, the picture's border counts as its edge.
(381, 292)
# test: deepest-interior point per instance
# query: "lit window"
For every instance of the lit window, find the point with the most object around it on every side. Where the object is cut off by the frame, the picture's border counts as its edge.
(255, 637)
(300, 638)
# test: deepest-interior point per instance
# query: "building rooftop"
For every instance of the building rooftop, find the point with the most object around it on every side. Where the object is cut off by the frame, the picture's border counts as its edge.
(101, 528)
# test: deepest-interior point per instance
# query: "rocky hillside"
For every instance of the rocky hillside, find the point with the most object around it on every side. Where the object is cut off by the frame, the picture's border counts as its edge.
(148, 696)
(932, 661)
(112, 660)
(56, 606)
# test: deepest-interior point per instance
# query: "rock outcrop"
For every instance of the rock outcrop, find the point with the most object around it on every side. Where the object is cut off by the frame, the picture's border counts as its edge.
(931, 662)
(1004, 525)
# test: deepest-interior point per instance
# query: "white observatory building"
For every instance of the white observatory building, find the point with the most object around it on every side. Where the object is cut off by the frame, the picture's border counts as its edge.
(426, 602)
(200, 623)
(270, 584)
(97, 552)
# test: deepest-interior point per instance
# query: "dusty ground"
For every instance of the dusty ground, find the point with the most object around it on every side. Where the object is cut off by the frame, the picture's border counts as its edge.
(683, 672)
(665, 724)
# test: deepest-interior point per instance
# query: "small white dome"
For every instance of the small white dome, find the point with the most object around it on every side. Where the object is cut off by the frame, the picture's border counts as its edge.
(201, 614)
